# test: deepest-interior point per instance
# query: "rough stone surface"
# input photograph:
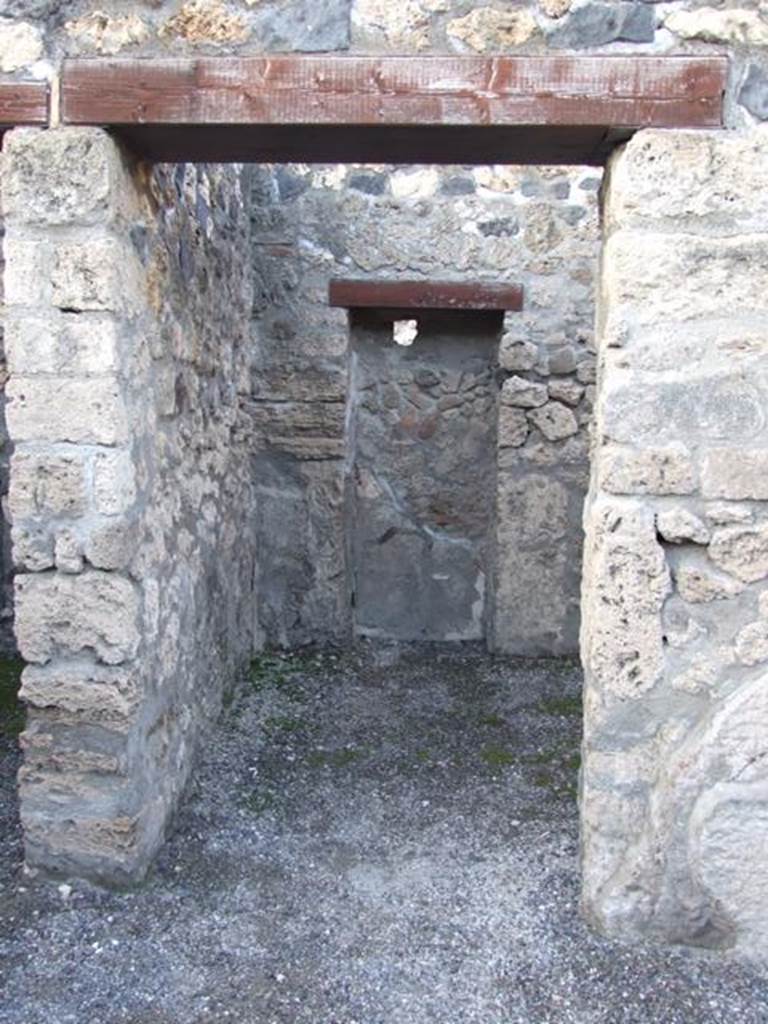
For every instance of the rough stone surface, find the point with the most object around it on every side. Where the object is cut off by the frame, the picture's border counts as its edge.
(753, 93)
(647, 471)
(596, 24)
(674, 773)
(741, 551)
(678, 525)
(554, 420)
(310, 224)
(424, 481)
(486, 29)
(735, 473)
(737, 26)
(130, 499)
(97, 32)
(21, 44)
(522, 393)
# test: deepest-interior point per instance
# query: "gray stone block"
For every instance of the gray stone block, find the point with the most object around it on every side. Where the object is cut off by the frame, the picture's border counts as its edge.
(598, 24)
(754, 92)
(305, 25)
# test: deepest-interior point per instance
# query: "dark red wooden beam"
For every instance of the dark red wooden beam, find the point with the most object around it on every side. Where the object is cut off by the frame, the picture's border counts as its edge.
(23, 103)
(290, 107)
(405, 295)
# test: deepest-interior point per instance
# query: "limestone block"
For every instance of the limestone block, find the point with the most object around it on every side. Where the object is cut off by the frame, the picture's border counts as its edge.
(517, 355)
(418, 184)
(693, 180)
(46, 483)
(487, 30)
(536, 606)
(533, 510)
(723, 513)
(646, 471)
(736, 26)
(403, 26)
(114, 481)
(111, 545)
(562, 360)
(102, 274)
(27, 273)
(555, 8)
(62, 344)
(586, 371)
(735, 473)
(67, 409)
(513, 427)
(678, 525)
(522, 393)
(70, 615)
(729, 837)
(752, 643)
(554, 420)
(68, 551)
(570, 392)
(21, 44)
(206, 21)
(90, 692)
(698, 583)
(32, 548)
(97, 32)
(626, 583)
(712, 408)
(643, 272)
(62, 176)
(741, 551)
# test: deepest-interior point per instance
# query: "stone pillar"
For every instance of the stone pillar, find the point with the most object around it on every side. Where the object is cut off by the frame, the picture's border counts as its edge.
(675, 591)
(128, 485)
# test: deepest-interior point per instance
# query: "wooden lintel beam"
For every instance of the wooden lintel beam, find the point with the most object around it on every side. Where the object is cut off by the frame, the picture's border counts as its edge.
(416, 295)
(323, 108)
(23, 103)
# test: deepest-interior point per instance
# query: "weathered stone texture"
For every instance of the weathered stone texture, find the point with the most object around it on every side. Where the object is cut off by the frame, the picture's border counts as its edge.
(130, 497)
(674, 637)
(310, 224)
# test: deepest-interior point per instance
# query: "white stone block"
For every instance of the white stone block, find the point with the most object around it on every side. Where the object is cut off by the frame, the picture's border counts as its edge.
(63, 176)
(77, 344)
(66, 409)
(47, 483)
(71, 615)
(114, 482)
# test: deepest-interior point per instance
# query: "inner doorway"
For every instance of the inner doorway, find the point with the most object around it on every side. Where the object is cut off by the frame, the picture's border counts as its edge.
(422, 486)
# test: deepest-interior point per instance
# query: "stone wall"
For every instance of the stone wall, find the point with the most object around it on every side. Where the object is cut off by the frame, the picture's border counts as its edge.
(127, 295)
(675, 642)
(7, 639)
(535, 227)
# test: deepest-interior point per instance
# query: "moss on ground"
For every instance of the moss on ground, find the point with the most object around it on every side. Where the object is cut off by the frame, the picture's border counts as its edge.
(565, 706)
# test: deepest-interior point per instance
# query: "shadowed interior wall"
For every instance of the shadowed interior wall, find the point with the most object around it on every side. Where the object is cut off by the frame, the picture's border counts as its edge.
(422, 487)
(533, 226)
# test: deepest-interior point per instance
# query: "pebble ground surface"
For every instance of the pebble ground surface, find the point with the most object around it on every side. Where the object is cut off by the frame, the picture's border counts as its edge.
(387, 836)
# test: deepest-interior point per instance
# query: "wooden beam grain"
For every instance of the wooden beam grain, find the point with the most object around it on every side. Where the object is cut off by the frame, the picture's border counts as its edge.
(23, 103)
(414, 295)
(230, 108)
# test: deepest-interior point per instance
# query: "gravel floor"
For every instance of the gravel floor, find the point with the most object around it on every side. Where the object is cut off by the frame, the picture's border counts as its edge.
(385, 837)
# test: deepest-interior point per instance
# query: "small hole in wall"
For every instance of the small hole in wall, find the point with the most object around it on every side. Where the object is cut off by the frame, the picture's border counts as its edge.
(405, 332)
